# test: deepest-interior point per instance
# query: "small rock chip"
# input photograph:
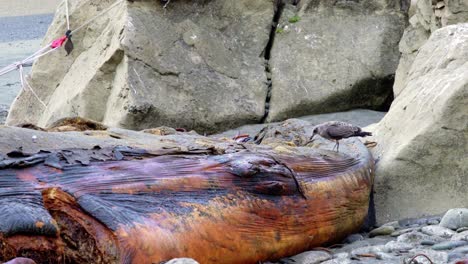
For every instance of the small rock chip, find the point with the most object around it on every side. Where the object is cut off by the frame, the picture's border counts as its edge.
(455, 218)
(182, 261)
(382, 231)
(438, 231)
(309, 257)
(447, 245)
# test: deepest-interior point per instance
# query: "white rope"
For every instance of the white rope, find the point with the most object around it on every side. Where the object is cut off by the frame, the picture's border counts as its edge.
(67, 15)
(27, 60)
(97, 16)
(25, 81)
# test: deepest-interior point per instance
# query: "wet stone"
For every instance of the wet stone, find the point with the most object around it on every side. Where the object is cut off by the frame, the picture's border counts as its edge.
(449, 245)
(438, 231)
(382, 231)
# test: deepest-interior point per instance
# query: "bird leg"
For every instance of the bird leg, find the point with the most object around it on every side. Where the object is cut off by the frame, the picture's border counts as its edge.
(337, 145)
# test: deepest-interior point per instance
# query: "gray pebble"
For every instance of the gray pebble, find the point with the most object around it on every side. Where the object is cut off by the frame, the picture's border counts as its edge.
(403, 231)
(394, 246)
(455, 256)
(455, 218)
(428, 242)
(368, 250)
(438, 231)
(382, 231)
(309, 257)
(460, 236)
(462, 250)
(395, 224)
(353, 238)
(438, 257)
(415, 238)
(447, 245)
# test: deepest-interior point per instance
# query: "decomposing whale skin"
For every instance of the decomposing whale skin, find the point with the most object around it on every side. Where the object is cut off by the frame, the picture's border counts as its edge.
(242, 207)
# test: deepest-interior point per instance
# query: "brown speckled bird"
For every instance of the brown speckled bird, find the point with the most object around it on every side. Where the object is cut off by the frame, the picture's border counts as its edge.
(336, 130)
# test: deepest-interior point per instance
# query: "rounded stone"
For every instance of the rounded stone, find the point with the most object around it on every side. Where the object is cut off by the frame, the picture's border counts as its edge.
(428, 242)
(455, 218)
(449, 245)
(382, 231)
(438, 231)
(460, 236)
(309, 257)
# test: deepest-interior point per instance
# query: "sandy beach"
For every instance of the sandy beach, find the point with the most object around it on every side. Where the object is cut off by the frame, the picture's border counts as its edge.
(23, 24)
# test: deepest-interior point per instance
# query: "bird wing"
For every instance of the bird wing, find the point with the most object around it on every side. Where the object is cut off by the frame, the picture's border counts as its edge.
(338, 131)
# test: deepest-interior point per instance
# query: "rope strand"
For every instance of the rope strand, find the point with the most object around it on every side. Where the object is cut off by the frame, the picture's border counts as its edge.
(67, 15)
(97, 16)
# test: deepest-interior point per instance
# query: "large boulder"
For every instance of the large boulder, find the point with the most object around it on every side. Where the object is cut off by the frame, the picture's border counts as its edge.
(423, 140)
(194, 64)
(332, 56)
(427, 16)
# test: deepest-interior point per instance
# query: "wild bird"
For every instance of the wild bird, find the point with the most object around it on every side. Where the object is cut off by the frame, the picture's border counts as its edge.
(336, 130)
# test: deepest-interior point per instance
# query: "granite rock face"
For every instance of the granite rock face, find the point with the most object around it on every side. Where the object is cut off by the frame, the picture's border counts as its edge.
(143, 66)
(423, 140)
(331, 56)
(427, 16)
(214, 65)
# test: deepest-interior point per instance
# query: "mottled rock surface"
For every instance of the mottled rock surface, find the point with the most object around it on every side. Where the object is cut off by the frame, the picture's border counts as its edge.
(423, 140)
(141, 66)
(333, 56)
(426, 17)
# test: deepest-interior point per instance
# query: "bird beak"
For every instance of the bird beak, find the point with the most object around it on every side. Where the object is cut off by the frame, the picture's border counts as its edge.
(311, 139)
